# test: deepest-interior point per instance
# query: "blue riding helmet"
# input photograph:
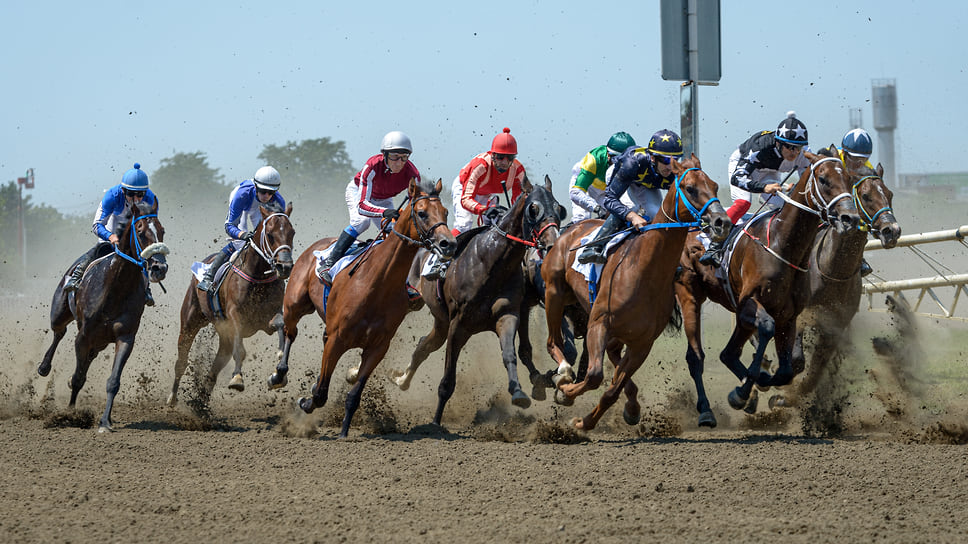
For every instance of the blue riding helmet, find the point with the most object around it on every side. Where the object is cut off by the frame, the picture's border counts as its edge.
(665, 142)
(858, 143)
(791, 130)
(135, 179)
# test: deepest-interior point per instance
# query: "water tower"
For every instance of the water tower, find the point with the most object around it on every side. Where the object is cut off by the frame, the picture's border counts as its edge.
(884, 94)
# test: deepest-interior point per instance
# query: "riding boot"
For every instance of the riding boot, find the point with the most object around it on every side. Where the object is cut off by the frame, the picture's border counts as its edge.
(217, 262)
(713, 255)
(75, 280)
(339, 250)
(865, 268)
(594, 252)
(149, 300)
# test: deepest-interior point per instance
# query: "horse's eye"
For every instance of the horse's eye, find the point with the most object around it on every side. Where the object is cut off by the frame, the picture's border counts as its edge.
(422, 215)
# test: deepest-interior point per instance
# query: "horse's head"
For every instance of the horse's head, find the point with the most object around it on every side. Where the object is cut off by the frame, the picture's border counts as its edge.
(696, 200)
(826, 188)
(873, 200)
(542, 215)
(142, 237)
(425, 219)
(275, 235)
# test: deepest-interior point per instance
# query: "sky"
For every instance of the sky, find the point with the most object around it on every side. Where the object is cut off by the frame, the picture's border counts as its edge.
(90, 88)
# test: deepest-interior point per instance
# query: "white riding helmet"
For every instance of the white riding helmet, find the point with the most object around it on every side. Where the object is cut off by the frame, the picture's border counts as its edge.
(267, 178)
(396, 141)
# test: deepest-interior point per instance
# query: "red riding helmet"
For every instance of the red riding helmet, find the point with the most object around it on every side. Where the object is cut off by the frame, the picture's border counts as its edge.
(504, 143)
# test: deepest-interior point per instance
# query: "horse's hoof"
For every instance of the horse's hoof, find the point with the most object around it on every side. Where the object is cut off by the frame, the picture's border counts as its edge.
(777, 401)
(43, 369)
(236, 384)
(736, 399)
(538, 392)
(400, 378)
(353, 375)
(520, 399)
(577, 423)
(563, 399)
(707, 419)
(105, 429)
(277, 382)
(632, 417)
(564, 376)
(752, 403)
(306, 404)
(782, 378)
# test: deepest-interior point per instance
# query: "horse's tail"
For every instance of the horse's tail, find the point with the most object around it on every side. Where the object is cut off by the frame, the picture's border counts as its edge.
(674, 326)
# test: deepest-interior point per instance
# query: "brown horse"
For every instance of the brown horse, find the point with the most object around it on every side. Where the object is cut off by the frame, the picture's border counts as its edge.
(368, 302)
(110, 300)
(250, 297)
(762, 278)
(635, 298)
(833, 281)
(484, 289)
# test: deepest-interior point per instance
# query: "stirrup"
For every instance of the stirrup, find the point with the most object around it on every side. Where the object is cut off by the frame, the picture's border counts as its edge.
(205, 285)
(710, 258)
(592, 257)
(326, 276)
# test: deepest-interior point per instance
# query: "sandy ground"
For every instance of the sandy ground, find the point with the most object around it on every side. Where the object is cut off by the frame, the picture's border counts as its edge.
(880, 458)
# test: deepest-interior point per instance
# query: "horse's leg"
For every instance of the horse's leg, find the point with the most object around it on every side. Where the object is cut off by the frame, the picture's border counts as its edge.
(291, 314)
(784, 338)
(122, 350)
(278, 325)
(238, 354)
(695, 355)
(539, 381)
(60, 318)
(632, 413)
(595, 343)
(427, 345)
(84, 354)
(554, 315)
(192, 321)
(225, 347)
(456, 338)
(631, 361)
(751, 317)
(371, 357)
(506, 327)
(333, 349)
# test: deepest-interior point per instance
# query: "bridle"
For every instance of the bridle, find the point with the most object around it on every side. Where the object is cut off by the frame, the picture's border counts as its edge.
(143, 254)
(267, 253)
(697, 213)
(424, 235)
(867, 220)
(818, 205)
(534, 231)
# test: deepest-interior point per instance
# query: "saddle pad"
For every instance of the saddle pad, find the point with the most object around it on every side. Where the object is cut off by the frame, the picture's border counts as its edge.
(591, 271)
(355, 251)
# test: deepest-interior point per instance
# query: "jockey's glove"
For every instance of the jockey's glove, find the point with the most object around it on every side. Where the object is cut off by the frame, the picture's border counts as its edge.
(246, 236)
(601, 212)
(494, 213)
(391, 213)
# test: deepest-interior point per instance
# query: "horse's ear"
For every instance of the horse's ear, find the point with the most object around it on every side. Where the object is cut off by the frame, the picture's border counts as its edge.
(677, 168)
(413, 189)
(879, 170)
(289, 208)
(696, 160)
(154, 207)
(526, 185)
(547, 184)
(811, 157)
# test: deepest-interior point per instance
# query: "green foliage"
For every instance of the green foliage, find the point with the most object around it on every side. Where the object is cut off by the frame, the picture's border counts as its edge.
(314, 171)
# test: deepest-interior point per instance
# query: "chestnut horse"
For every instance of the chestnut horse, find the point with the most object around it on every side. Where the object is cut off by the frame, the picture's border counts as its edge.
(484, 289)
(110, 301)
(250, 297)
(834, 283)
(367, 302)
(763, 273)
(635, 298)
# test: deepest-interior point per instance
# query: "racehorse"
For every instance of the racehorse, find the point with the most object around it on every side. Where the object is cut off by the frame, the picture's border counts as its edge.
(833, 282)
(250, 299)
(110, 300)
(367, 302)
(762, 276)
(484, 288)
(635, 298)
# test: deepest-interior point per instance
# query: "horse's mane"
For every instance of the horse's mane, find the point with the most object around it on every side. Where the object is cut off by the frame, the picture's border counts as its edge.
(827, 152)
(273, 206)
(428, 186)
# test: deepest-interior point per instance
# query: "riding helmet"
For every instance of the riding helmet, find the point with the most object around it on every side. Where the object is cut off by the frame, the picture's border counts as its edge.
(791, 130)
(267, 178)
(135, 179)
(619, 142)
(396, 141)
(504, 143)
(858, 143)
(665, 142)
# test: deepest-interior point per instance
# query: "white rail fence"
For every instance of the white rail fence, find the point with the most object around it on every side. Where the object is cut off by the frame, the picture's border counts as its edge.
(945, 286)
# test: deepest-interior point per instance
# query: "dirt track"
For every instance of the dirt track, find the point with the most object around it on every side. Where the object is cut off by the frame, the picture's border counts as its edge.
(250, 468)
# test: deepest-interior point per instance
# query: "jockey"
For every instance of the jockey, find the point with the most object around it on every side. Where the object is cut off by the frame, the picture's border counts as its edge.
(478, 187)
(756, 167)
(642, 172)
(132, 189)
(588, 177)
(369, 195)
(855, 151)
(245, 215)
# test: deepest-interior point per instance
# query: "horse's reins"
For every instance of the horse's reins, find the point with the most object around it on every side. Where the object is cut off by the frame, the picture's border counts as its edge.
(145, 253)
(263, 250)
(868, 218)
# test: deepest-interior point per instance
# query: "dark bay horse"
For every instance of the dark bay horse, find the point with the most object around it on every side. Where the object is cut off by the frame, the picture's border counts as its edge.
(635, 298)
(367, 303)
(833, 282)
(763, 275)
(483, 290)
(110, 301)
(250, 297)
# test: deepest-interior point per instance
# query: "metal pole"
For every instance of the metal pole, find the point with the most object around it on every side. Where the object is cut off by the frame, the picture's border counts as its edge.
(693, 25)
